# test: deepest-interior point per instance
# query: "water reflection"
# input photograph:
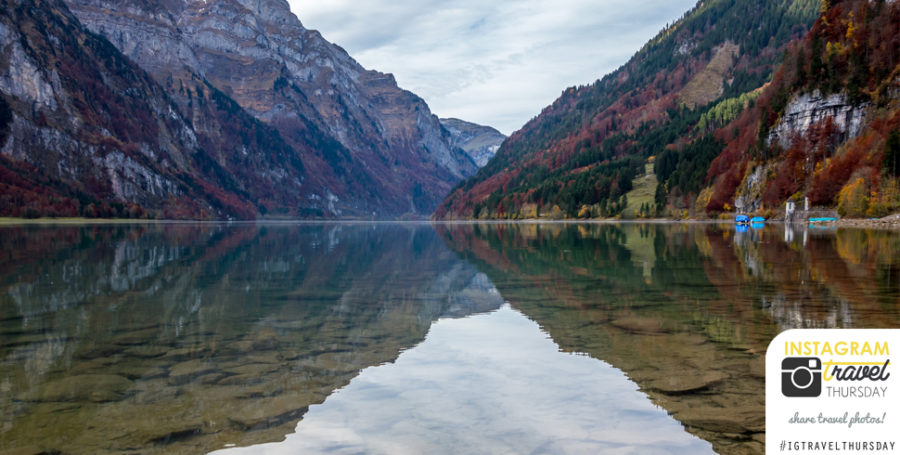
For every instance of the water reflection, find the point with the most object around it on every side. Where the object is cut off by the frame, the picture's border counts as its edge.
(686, 311)
(181, 338)
(185, 338)
(488, 384)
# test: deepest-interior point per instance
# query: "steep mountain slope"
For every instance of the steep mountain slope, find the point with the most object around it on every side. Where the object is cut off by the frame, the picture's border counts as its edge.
(367, 146)
(580, 155)
(828, 126)
(86, 132)
(479, 142)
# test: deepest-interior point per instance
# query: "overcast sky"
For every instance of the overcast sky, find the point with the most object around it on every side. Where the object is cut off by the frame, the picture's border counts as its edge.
(494, 62)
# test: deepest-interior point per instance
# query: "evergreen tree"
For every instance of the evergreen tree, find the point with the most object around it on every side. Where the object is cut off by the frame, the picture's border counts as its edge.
(660, 197)
(891, 160)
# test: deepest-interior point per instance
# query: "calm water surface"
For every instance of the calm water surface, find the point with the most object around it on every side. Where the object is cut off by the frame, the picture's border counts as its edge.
(391, 338)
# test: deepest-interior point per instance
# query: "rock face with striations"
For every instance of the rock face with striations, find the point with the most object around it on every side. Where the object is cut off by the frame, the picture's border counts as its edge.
(479, 142)
(194, 109)
(805, 110)
(366, 145)
(84, 131)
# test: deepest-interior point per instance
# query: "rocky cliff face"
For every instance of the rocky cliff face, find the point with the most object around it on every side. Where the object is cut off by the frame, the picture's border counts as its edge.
(810, 124)
(479, 142)
(825, 128)
(366, 145)
(806, 109)
(87, 132)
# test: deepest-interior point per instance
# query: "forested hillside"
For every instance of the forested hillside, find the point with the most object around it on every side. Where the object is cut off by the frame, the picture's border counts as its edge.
(827, 127)
(579, 157)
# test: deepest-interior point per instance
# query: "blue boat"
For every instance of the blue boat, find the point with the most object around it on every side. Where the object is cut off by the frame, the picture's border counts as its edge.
(757, 219)
(742, 219)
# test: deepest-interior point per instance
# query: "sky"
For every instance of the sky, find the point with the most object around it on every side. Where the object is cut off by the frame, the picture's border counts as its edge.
(493, 62)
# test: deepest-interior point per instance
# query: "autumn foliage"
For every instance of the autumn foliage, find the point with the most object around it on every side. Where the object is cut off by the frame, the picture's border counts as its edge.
(853, 49)
(25, 192)
(579, 154)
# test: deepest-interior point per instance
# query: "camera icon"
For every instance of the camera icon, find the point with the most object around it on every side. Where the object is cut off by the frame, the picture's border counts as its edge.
(801, 377)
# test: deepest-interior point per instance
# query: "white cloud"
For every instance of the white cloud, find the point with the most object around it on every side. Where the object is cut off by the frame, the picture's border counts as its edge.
(498, 62)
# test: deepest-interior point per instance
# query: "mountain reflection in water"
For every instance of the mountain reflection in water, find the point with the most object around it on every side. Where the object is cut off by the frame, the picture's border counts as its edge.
(490, 383)
(687, 310)
(183, 338)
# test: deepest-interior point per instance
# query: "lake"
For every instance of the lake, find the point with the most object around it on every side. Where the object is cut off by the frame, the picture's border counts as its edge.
(414, 338)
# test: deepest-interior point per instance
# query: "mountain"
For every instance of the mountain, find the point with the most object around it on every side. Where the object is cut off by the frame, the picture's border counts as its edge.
(479, 142)
(84, 131)
(826, 129)
(367, 145)
(239, 111)
(581, 155)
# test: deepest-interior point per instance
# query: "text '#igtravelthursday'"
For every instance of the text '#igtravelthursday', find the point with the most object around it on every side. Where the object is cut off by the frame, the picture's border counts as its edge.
(836, 446)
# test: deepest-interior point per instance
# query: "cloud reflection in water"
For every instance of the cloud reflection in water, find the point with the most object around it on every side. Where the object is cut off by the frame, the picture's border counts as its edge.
(492, 383)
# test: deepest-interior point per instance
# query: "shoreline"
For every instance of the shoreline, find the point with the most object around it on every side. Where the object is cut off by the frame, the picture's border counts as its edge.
(891, 222)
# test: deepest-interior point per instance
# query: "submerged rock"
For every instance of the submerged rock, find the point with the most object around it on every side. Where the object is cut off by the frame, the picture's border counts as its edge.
(95, 388)
(641, 325)
(689, 382)
(725, 420)
(184, 372)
